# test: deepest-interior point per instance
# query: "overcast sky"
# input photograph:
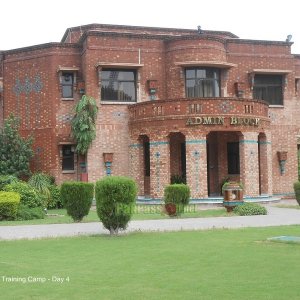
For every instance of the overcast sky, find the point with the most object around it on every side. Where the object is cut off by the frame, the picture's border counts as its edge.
(31, 22)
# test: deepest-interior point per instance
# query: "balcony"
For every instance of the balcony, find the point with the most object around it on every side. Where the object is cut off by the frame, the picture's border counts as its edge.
(220, 113)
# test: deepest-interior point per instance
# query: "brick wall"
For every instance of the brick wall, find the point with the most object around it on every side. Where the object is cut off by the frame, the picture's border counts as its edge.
(32, 91)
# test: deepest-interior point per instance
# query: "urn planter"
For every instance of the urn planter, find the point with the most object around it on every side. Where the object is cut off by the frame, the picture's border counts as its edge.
(233, 195)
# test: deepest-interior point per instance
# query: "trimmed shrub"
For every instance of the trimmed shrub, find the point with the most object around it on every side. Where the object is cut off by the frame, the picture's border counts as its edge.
(9, 203)
(297, 191)
(55, 197)
(7, 179)
(115, 199)
(77, 198)
(27, 213)
(250, 209)
(176, 196)
(28, 194)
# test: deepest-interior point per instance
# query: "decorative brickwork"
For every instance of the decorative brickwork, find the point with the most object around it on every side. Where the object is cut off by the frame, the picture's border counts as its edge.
(166, 133)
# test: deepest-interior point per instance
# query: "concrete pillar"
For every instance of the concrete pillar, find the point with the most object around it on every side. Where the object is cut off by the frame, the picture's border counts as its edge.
(249, 163)
(196, 165)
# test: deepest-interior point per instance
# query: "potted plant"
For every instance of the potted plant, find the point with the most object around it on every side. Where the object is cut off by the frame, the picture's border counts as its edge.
(233, 194)
(176, 196)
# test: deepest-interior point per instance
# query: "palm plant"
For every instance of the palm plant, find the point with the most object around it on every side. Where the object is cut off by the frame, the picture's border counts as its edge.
(41, 183)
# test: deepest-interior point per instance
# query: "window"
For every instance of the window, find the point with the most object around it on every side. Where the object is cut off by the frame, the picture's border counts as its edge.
(68, 158)
(297, 86)
(268, 88)
(147, 158)
(233, 158)
(118, 85)
(202, 82)
(67, 82)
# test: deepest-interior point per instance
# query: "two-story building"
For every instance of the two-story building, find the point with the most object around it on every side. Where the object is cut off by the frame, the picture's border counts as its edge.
(198, 105)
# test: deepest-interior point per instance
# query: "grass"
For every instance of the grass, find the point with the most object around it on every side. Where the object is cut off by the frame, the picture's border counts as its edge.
(214, 264)
(288, 206)
(151, 212)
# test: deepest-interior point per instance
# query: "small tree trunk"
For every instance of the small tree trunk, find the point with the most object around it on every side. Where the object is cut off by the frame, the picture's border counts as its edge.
(113, 231)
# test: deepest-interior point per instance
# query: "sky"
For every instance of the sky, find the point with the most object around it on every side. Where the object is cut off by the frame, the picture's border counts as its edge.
(31, 22)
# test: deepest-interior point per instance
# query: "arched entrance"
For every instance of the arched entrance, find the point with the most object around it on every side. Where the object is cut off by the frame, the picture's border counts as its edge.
(223, 159)
(177, 157)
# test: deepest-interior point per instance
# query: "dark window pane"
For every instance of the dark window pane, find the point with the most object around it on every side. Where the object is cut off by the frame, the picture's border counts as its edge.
(268, 88)
(128, 91)
(118, 85)
(126, 75)
(105, 74)
(267, 79)
(190, 74)
(233, 158)
(147, 158)
(67, 80)
(201, 73)
(202, 82)
(67, 158)
(67, 91)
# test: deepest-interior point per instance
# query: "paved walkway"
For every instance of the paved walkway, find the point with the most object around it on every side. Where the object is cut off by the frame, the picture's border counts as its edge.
(276, 217)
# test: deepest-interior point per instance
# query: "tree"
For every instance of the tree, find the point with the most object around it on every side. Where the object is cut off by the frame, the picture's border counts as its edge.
(115, 199)
(83, 123)
(15, 151)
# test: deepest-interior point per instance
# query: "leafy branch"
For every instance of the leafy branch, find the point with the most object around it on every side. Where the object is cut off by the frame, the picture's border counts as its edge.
(83, 125)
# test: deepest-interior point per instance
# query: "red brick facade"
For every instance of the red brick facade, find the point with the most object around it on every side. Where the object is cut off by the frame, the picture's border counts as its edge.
(165, 132)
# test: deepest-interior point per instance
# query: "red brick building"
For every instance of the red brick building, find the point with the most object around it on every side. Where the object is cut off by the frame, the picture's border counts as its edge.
(204, 105)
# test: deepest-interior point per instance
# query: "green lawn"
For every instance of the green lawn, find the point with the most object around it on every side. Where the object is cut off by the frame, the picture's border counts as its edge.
(214, 264)
(288, 206)
(59, 216)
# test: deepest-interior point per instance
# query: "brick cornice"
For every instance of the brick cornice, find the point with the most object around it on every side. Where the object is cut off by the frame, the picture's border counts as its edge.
(169, 31)
(41, 47)
(258, 42)
(164, 37)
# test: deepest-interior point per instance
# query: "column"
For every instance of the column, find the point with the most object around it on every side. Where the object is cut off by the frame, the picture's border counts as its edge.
(249, 163)
(136, 163)
(159, 165)
(265, 161)
(196, 165)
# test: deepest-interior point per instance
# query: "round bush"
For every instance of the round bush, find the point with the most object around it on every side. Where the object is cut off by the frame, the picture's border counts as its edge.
(28, 194)
(55, 197)
(115, 199)
(27, 213)
(77, 198)
(9, 203)
(297, 191)
(176, 196)
(250, 209)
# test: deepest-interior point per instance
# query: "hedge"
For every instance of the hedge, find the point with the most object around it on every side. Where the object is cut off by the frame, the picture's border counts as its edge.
(27, 213)
(77, 198)
(250, 209)
(9, 203)
(55, 197)
(28, 194)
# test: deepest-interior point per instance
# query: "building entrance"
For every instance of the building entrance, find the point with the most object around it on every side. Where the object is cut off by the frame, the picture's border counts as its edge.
(223, 160)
